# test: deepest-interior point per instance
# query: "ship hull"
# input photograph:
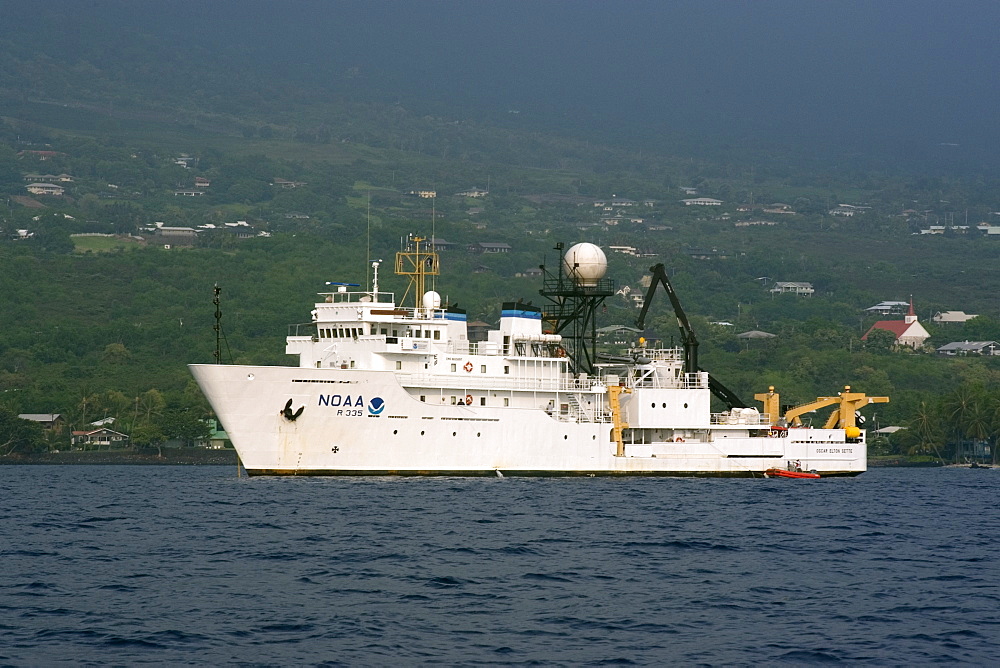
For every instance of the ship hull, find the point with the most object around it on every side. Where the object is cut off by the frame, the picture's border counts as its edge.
(304, 421)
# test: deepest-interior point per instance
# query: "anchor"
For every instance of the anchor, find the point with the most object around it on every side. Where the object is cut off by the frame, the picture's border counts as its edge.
(287, 413)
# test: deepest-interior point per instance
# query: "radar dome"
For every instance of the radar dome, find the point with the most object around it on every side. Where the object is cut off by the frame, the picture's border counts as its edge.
(585, 264)
(431, 300)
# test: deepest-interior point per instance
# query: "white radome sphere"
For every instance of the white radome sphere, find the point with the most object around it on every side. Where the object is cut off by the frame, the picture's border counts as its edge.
(585, 263)
(431, 300)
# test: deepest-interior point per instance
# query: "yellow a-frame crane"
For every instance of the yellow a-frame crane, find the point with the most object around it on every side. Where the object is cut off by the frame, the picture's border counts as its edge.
(843, 417)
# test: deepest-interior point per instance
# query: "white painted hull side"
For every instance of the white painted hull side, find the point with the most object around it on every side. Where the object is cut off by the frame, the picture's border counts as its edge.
(360, 422)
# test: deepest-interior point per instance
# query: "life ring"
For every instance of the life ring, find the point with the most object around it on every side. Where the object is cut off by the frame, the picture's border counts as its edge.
(468, 367)
(468, 400)
(678, 440)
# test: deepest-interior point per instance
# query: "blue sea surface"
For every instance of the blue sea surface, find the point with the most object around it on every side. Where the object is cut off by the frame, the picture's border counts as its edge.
(125, 565)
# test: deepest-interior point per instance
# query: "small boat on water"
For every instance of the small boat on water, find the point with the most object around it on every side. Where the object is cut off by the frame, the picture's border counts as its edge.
(784, 473)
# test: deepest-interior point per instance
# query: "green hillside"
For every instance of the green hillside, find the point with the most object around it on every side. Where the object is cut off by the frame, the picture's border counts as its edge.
(104, 325)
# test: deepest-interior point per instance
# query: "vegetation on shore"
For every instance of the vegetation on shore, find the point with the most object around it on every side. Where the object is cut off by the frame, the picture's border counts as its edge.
(102, 326)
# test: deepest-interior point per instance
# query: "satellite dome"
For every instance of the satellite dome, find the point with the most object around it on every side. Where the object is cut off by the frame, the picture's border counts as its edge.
(431, 300)
(585, 264)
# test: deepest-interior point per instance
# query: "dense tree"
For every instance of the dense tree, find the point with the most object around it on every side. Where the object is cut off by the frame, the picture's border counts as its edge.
(19, 436)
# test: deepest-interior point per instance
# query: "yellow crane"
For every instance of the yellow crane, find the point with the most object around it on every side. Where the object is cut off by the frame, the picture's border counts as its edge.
(843, 416)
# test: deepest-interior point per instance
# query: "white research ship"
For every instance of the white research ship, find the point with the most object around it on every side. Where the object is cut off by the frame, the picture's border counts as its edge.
(386, 389)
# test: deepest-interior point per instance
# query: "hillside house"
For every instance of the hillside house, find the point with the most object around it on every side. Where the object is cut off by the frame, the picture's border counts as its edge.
(908, 331)
(473, 192)
(843, 210)
(951, 317)
(101, 437)
(45, 189)
(702, 201)
(176, 236)
(48, 178)
(707, 254)
(423, 194)
(41, 155)
(49, 421)
(889, 308)
(795, 287)
(189, 193)
(963, 348)
(481, 247)
(438, 244)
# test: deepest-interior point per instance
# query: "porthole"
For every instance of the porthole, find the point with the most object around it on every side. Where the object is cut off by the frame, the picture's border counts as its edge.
(478, 434)
(652, 405)
(565, 437)
(454, 433)
(421, 433)
(665, 404)
(395, 431)
(685, 405)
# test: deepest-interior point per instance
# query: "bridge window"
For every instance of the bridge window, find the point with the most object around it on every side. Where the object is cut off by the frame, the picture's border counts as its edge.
(437, 334)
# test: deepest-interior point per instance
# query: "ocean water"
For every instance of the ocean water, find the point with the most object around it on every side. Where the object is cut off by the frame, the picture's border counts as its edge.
(125, 565)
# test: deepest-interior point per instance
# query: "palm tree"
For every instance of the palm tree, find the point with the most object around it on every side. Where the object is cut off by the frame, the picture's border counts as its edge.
(960, 407)
(926, 424)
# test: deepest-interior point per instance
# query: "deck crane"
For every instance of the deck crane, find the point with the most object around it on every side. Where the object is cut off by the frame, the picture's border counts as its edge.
(688, 339)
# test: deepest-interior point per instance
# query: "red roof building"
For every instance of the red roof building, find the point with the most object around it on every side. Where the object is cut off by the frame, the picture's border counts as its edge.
(908, 331)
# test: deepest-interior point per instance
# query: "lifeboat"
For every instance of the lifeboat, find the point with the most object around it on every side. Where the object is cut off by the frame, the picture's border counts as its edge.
(782, 473)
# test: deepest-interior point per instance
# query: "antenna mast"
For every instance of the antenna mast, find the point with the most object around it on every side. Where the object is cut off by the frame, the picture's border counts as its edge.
(218, 324)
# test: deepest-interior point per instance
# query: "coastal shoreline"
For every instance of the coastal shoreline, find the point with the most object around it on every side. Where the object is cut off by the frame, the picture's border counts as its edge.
(166, 456)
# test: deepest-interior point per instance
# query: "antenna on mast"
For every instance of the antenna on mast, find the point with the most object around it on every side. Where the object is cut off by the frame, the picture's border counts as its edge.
(220, 336)
(368, 238)
(434, 235)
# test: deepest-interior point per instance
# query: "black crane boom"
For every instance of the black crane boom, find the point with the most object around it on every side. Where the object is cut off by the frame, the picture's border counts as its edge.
(688, 339)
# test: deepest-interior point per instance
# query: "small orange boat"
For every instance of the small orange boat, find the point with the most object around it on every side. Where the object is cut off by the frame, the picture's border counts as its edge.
(782, 473)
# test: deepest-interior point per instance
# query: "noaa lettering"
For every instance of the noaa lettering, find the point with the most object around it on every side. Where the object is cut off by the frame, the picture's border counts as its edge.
(340, 400)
